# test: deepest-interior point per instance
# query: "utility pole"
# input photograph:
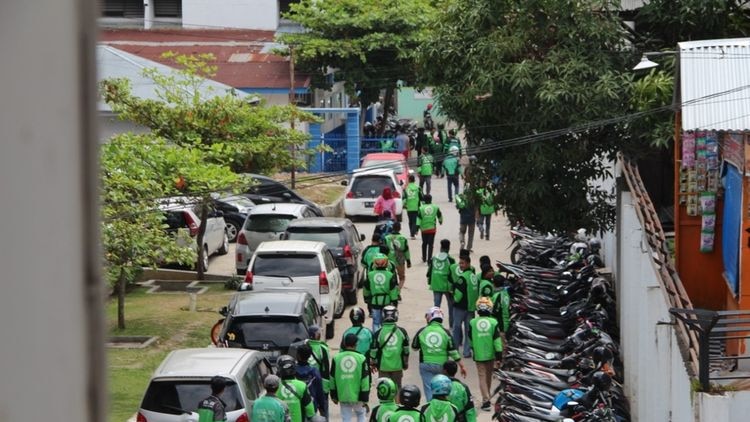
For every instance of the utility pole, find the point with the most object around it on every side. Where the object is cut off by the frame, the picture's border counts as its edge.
(292, 103)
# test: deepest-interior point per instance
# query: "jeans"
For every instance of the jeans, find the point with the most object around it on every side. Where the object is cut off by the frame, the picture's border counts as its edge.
(437, 300)
(462, 229)
(427, 371)
(428, 240)
(461, 318)
(484, 225)
(425, 180)
(377, 319)
(350, 409)
(452, 187)
(412, 222)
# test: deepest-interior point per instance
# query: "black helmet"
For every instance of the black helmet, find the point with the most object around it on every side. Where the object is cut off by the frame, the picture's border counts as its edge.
(602, 381)
(286, 366)
(390, 314)
(409, 395)
(602, 354)
(357, 315)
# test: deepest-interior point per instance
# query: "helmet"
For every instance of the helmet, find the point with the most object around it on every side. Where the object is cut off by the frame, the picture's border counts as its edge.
(271, 382)
(602, 381)
(602, 355)
(586, 364)
(386, 389)
(579, 248)
(484, 305)
(453, 150)
(594, 245)
(390, 314)
(286, 366)
(440, 385)
(380, 261)
(357, 315)
(409, 395)
(434, 314)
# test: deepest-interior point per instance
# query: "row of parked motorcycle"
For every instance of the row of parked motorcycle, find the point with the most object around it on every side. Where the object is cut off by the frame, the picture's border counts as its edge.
(561, 359)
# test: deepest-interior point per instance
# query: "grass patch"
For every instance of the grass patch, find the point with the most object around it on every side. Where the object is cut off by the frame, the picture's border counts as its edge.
(318, 188)
(163, 315)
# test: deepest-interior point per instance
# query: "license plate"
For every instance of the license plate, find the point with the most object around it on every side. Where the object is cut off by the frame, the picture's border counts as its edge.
(369, 204)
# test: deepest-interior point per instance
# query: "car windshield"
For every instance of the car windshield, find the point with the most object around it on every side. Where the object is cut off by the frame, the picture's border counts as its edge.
(286, 265)
(268, 222)
(175, 220)
(396, 166)
(175, 396)
(263, 333)
(371, 186)
(238, 200)
(331, 236)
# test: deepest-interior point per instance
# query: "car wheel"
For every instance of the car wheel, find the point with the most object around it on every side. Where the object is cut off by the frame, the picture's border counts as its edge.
(233, 229)
(224, 245)
(339, 312)
(350, 297)
(204, 264)
(329, 331)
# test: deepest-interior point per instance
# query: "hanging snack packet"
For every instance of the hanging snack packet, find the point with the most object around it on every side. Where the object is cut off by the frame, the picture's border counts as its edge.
(708, 202)
(707, 242)
(708, 223)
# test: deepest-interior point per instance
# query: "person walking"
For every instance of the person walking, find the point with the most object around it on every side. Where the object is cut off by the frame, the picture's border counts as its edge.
(385, 202)
(453, 141)
(486, 199)
(408, 399)
(438, 275)
(486, 275)
(212, 408)
(465, 293)
(467, 213)
(350, 381)
(293, 391)
(381, 289)
(399, 253)
(312, 378)
(320, 358)
(390, 347)
(386, 390)
(425, 169)
(437, 153)
(412, 198)
(427, 218)
(440, 408)
(501, 302)
(487, 347)
(363, 334)
(435, 346)
(460, 394)
(452, 169)
(402, 141)
(269, 408)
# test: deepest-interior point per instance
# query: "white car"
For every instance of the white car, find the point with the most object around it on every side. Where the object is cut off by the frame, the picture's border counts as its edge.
(300, 265)
(364, 188)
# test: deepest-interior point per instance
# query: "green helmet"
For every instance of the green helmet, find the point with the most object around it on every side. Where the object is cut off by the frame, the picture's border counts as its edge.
(386, 389)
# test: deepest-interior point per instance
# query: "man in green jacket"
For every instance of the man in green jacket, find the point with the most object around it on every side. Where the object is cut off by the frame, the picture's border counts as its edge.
(270, 408)
(408, 399)
(390, 347)
(460, 394)
(364, 335)
(211, 409)
(412, 198)
(293, 391)
(486, 199)
(350, 381)
(427, 218)
(440, 408)
(438, 278)
(381, 289)
(398, 249)
(435, 346)
(425, 170)
(453, 171)
(465, 294)
(487, 347)
(321, 356)
(501, 303)
(386, 390)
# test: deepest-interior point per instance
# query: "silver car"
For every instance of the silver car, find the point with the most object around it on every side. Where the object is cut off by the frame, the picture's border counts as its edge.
(181, 218)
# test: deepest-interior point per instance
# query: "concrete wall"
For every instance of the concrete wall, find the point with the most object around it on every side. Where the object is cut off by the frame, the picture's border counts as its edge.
(412, 103)
(245, 14)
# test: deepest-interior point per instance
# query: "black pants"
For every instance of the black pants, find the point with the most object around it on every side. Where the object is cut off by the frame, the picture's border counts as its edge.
(438, 168)
(428, 240)
(412, 222)
(452, 187)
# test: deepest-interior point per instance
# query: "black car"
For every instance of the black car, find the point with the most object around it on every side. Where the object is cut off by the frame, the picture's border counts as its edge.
(235, 209)
(269, 321)
(279, 192)
(344, 242)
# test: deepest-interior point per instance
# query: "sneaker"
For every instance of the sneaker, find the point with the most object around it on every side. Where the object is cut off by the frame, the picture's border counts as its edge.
(487, 406)
(481, 236)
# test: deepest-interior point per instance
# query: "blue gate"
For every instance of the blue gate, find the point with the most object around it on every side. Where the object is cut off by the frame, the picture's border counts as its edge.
(344, 142)
(334, 160)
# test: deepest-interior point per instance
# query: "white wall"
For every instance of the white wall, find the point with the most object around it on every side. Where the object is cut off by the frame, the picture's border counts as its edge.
(245, 14)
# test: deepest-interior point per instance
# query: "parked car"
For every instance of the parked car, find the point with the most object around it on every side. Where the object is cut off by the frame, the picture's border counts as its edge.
(344, 242)
(266, 186)
(265, 222)
(365, 186)
(388, 160)
(300, 265)
(183, 379)
(269, 321)
(181, 218)
(235, 209)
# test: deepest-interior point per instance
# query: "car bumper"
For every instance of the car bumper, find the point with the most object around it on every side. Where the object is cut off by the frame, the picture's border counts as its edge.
(356, 206)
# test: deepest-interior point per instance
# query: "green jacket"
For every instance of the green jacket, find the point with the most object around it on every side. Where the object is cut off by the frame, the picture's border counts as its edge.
(439, 410)
(296, 396)
(383, 411)
(425, 165)
(435, 344)
(381, 288)
(486, 342)
(486, 201)
(412, 196)
(403, 414)
(438, 272)
(428, 217)
(368, 254)
(486, 288)
(390, 348)
(350, 377)
(501, 308)
(269, 409)
(466, 289)
(364, 339)
(321, 359)
(451, 165)
(399, 248)
(211, 409)
(452, 142)
(461, 397)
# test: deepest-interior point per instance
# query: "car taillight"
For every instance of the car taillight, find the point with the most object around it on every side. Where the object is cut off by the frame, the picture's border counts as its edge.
(395, 194)
(347, 251)
(243, 418)
(249, 277)
(323, 283)
(241, 239)
(141, 418)
(350, 194)
(192, 224)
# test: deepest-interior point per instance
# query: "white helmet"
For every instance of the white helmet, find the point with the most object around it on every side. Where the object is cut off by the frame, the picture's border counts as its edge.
(453, 150)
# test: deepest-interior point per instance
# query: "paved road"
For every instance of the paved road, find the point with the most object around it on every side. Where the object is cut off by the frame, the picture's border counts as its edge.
(416, 296)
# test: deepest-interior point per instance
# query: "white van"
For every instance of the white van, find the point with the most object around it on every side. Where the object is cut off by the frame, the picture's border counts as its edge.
(298, 264)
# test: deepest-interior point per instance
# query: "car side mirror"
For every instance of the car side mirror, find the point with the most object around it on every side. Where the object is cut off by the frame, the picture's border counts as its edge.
(362, 238)
(344, 182)
(224, 311)
(287, 195)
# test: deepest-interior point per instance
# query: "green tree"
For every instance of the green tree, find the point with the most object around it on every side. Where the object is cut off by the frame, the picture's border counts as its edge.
(370, 45)
(513, 68)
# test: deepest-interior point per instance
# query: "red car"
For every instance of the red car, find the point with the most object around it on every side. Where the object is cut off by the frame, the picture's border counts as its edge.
(388, 160)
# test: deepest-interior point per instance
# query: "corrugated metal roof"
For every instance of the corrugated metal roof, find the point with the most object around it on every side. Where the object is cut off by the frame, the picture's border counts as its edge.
(714, 80)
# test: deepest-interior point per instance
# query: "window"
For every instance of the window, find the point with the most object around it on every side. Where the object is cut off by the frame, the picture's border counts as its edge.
(173, 396)
(275, 332)
(253, 381)
(333, 237)
(268, 223)
(328, 260)
(122, 8)
(371, 186)
(291, 265)
(396, 166)
(167, 8)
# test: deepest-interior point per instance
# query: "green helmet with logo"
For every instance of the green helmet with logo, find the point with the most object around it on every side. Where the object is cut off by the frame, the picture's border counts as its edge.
(386, 389)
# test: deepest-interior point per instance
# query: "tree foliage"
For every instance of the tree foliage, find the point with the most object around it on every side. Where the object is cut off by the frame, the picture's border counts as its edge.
(513, 68)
